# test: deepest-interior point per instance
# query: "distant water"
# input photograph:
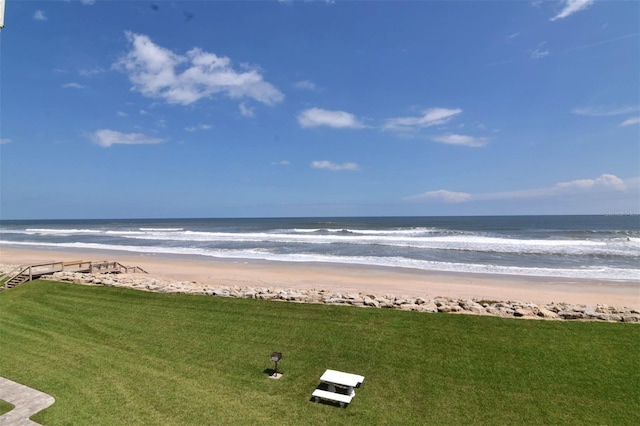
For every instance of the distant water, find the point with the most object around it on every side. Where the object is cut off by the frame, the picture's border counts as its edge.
(592, 247)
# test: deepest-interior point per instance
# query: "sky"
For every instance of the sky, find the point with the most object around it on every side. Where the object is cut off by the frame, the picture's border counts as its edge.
(161, 109)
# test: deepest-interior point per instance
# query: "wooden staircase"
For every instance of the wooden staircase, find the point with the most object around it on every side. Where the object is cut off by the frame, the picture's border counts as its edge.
(16, 280)
(26, 273)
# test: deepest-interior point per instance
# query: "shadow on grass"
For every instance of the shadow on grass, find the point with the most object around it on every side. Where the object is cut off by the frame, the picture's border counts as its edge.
(327, 402)
(270, 371)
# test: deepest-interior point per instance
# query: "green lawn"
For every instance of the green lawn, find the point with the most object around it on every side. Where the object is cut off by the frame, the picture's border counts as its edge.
(5, 407)
(114, 356)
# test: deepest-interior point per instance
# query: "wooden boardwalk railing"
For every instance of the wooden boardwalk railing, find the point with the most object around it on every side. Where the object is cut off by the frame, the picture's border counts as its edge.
(26, 273)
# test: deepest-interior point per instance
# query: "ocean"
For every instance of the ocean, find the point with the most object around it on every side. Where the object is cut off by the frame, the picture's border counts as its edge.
(581, 247)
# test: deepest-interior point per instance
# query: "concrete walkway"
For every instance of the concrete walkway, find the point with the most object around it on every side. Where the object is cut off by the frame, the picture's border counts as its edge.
(26, 401)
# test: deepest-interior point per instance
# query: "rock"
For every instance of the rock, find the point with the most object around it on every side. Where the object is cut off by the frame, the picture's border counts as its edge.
(450, 308)
(371, 302)
(409, 307)
(546, 313)
(266, 296)
(295, 297)
(441, 301)
(428, 307)
(505, 312)
(524, 312)
(591, 313)
(472, 306)
(386, 304)
(553, 308)
(630, 317)
(571, 315)
(610, 317)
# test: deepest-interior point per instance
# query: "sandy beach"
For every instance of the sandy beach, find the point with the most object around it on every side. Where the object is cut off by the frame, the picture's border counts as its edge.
(354, 278)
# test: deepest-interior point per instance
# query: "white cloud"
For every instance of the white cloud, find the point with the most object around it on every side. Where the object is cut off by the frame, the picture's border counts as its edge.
(539, 52)
(605, 111)
(630, 121)
(304, 85)
(73, 86)
(454, 139)
(512, 36)
(442, 194)
(39, 15)
(577, 184)
(86, 72)
(87, 2)
(572, 6)
(107, 138)
(246, 111)
(328, 165)
(605, 180)
(198, 127)
(600, 43)
(430, 117)
(157, 72)
(281, 163)
(122, 114)
(5, 141)
(316, 117)
(603, 183)
(143, 112)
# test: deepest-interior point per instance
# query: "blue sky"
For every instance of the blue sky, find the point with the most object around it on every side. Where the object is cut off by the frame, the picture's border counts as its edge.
(125, 109)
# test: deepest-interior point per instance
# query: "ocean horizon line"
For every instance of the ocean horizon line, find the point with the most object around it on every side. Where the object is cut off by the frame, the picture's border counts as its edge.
(606, 214)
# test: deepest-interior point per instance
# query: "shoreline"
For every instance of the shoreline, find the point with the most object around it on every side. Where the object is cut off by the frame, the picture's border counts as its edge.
(352, 278)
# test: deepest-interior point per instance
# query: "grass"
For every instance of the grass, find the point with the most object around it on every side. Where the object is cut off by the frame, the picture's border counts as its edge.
(5, 407)
(115, 356)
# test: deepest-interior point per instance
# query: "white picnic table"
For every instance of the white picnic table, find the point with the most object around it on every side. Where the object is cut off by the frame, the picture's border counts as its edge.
(347, 380)
(335, 378)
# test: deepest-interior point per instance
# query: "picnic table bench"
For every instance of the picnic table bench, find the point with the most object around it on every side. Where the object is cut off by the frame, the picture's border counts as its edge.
(346, 381)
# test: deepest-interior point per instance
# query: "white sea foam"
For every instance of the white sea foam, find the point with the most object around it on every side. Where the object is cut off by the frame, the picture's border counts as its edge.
(470, 243)
(598, 273)
(61, 232)
(372, 232)
(124, 232)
